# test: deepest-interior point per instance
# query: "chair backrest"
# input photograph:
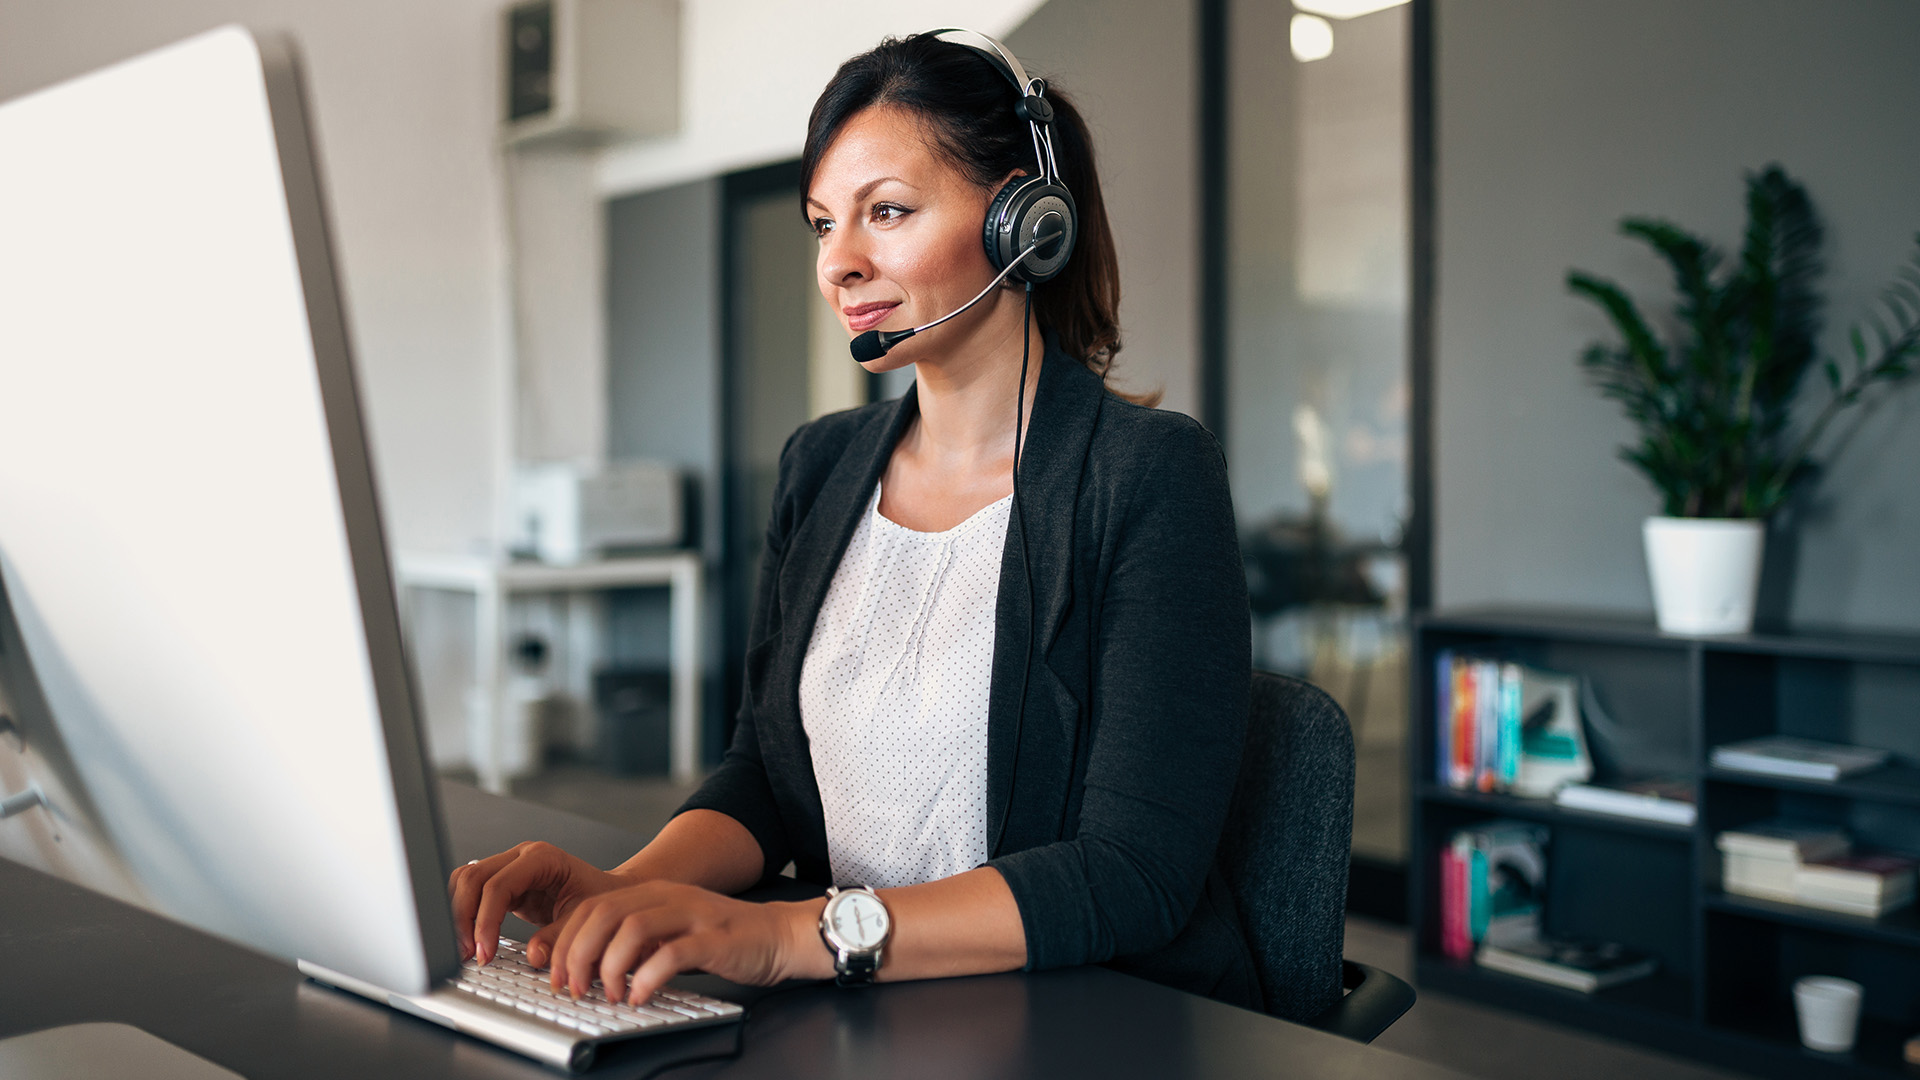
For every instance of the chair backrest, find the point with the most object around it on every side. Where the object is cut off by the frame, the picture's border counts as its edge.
(1288, 838)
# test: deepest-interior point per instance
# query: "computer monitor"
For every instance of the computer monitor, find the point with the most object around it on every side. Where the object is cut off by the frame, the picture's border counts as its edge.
(208, 711)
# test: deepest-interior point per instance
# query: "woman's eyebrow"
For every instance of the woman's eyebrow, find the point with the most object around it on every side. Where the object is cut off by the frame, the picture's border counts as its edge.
(866, 189)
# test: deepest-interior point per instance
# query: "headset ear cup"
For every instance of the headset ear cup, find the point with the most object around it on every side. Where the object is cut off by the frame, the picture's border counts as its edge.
(1042, 211)
(1016, 215)
(991, 229)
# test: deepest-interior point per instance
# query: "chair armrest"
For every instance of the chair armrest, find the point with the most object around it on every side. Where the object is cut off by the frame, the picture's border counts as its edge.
(1373, 1001)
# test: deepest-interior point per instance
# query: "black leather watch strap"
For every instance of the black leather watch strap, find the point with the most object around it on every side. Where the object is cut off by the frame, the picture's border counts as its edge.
(855, 969)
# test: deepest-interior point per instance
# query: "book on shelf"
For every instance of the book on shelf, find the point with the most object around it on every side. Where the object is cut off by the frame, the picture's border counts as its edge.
(1800, 759)
(1763, 860)
(1492, 886)
(1576, 965)
(1506, 727)
(1860, 883)
(1784, 840)
(1665, 799)
(1813, 866)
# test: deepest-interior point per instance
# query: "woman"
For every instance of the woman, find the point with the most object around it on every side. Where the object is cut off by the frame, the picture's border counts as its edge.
(1026, 786)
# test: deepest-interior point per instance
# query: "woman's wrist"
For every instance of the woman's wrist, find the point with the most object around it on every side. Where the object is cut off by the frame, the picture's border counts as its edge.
(806, 955)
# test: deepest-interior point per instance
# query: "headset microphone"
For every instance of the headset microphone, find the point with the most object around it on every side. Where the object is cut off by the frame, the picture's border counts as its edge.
(874, 344)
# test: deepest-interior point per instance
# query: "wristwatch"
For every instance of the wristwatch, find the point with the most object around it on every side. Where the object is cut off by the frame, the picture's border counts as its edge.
(856, 926)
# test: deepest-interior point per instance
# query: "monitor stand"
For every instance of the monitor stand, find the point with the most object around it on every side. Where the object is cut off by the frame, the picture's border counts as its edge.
(102, 1050)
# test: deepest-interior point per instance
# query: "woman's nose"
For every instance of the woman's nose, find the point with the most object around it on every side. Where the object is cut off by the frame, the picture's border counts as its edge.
(844, 260)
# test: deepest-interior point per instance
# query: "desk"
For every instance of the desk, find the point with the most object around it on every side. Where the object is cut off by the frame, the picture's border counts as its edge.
(72, 956)
(492, 582)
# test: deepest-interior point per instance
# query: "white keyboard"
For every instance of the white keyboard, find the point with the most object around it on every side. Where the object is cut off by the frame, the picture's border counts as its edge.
(509, 980)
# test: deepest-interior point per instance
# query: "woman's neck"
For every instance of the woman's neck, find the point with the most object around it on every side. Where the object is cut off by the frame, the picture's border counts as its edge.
(966, 396)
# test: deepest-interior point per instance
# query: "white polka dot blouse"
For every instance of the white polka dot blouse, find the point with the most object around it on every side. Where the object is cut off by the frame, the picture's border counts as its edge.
(893, 697)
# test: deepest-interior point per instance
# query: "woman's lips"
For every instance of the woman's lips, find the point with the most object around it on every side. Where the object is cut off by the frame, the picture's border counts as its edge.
(864, 317)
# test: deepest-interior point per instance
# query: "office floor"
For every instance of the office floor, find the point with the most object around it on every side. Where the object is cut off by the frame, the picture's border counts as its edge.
(1470, 1038)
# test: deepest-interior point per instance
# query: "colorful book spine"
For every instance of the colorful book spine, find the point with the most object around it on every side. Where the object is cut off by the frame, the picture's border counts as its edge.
(1486, 727)
(1461, 767)
(1456, 936)
(1443, 717)
(1509, 764)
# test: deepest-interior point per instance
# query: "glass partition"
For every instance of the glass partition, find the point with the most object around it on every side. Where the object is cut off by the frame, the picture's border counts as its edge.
(1316, 371)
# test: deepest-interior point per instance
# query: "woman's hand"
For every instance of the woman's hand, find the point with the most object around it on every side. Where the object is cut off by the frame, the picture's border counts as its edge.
(634, 939)
(536, 881)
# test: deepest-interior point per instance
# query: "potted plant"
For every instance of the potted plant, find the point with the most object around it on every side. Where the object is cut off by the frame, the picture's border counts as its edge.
(1720, 434)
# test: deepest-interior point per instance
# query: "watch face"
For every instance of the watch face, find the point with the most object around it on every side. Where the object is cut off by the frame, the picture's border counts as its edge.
(859, 920)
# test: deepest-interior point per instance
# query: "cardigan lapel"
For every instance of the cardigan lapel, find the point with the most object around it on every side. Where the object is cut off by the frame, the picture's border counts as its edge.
(1023, 724)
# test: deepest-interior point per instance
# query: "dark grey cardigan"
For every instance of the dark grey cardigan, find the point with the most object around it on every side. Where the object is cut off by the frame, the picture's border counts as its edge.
(1107, 790)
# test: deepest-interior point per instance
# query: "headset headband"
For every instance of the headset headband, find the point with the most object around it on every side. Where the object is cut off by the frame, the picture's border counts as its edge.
(1033, 106)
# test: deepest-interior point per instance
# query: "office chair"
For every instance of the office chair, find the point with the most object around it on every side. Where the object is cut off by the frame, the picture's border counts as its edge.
(1285, 852)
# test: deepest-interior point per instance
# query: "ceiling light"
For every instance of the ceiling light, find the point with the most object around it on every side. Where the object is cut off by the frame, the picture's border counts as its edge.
(1312, 38)
(1345, 9)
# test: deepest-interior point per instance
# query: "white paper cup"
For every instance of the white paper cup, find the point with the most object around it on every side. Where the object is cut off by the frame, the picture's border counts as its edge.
(1829, 1011)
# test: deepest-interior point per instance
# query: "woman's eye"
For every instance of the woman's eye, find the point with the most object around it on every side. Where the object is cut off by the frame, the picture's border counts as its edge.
(821, 226)
(887, 212)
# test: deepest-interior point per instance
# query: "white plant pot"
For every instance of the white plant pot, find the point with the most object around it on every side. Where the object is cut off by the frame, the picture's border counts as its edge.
(1705, 571)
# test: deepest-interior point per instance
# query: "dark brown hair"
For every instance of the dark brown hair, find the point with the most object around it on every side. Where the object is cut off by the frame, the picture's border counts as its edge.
(967, 105)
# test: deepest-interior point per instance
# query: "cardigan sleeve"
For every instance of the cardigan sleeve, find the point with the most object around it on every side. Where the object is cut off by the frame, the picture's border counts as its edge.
(739, 788)
(1171, 668)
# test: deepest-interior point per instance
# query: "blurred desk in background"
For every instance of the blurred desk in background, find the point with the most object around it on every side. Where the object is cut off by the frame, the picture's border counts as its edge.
(493, 582)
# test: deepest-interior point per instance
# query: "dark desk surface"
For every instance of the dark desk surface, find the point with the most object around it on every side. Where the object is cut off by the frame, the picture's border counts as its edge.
(68, 955)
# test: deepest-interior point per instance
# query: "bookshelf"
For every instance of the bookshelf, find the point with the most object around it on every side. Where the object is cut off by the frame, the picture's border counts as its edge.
(1723, 993)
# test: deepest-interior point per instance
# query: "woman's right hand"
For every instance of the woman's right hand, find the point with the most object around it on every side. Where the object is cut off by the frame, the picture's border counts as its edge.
(536, 881)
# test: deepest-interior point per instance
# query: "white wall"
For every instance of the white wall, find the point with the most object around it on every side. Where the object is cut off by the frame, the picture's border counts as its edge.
(750, 70)
(1130, 66)
(1555, 119)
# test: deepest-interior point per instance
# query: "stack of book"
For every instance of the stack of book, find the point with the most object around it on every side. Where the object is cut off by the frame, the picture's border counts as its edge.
(1505, 727)
(1585, 966)
(1493, 880)
(1801, 759)
(1813, 867)
(1665, 799)
(1857, 884)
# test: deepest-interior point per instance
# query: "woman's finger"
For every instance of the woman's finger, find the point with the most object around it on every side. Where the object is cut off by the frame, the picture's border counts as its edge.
(464, 884)
(576, 949)
(580, 941)
(540, 945)
(502, 892)
(637, 938)
(689, 952)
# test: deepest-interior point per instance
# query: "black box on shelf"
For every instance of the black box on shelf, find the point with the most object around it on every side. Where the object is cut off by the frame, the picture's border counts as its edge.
(633, 707)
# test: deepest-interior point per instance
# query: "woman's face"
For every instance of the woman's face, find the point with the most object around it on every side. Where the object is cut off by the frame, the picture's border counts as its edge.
(899, 230)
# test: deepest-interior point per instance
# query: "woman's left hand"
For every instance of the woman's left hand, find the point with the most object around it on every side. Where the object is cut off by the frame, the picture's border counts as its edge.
(634, 939)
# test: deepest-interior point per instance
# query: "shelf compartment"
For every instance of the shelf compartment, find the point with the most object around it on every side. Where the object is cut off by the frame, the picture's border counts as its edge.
(1898, 784)
(1655, 1012)
(1547, 812)
(1895, 928)
(1876, 1053)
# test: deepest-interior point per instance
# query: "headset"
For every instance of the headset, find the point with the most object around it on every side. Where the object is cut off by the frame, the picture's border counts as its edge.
(1032, 222)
